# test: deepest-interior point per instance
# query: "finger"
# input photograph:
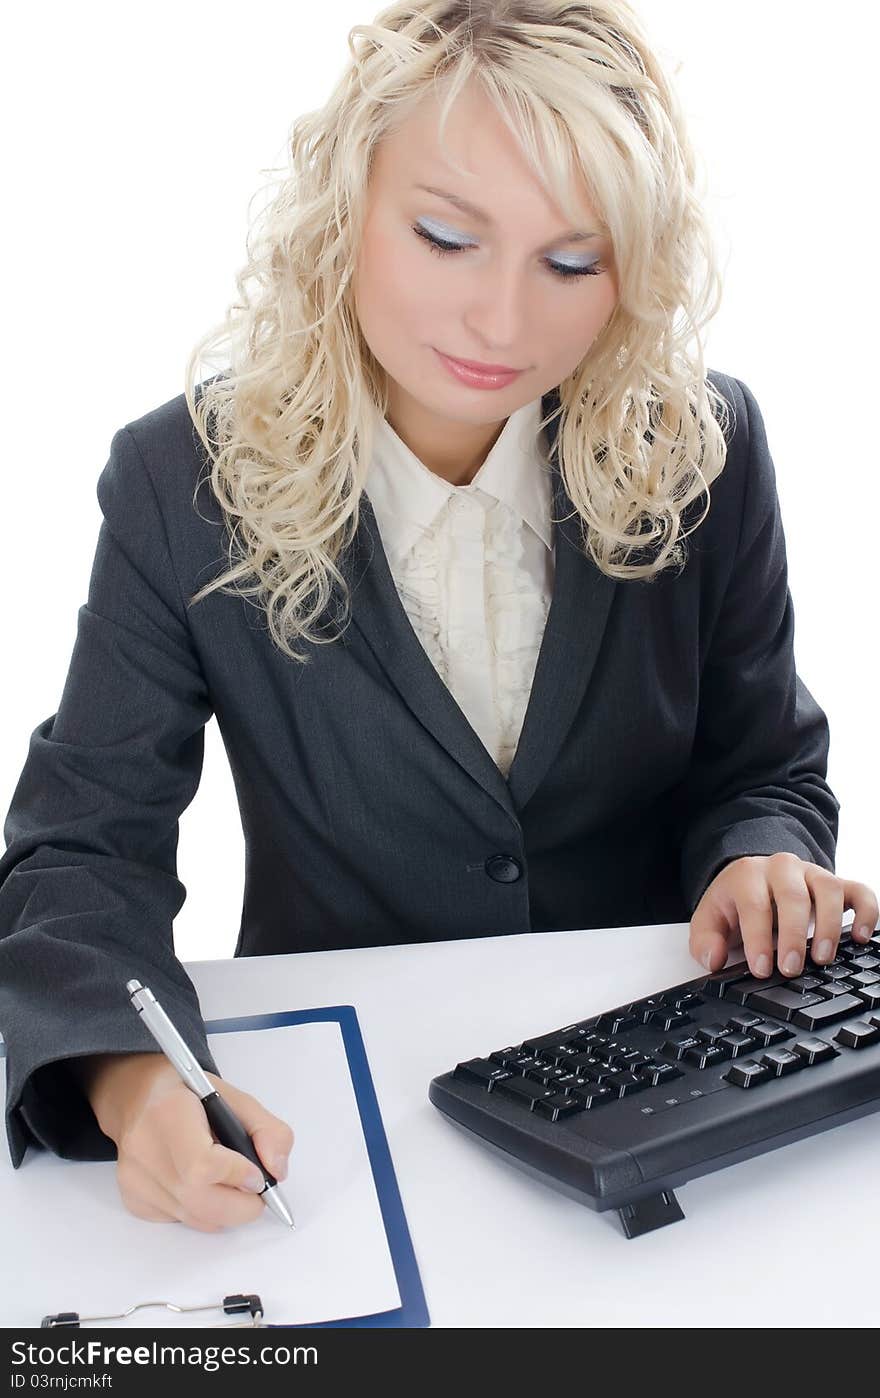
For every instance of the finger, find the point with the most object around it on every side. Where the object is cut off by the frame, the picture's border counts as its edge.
(827, 892)
(794, 906)
(866, 910)
(755, 913)
(214, 1194)
(272, 1137)
(212, 1191)
(213, 1186)
(714, 930)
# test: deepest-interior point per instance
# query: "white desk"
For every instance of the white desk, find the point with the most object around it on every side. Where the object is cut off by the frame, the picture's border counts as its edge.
(789, 1238)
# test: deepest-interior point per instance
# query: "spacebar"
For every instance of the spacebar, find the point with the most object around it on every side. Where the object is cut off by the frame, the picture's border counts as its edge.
(829, 1012)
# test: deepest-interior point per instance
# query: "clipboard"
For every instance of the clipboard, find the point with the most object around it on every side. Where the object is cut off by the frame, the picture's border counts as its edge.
(412, 1309)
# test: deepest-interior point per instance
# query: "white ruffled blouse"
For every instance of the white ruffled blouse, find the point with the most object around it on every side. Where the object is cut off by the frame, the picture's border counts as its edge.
(473, 566)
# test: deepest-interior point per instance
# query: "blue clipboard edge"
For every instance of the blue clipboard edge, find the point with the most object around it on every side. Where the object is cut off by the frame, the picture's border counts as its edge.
(413, 1310)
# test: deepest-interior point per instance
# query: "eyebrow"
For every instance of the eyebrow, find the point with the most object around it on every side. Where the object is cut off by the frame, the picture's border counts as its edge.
(573, 235)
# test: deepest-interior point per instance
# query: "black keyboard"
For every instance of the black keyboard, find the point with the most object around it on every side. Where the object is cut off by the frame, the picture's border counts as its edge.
(619, 1109)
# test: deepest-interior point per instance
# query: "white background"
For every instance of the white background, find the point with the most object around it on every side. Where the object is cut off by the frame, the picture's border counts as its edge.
(134, 140)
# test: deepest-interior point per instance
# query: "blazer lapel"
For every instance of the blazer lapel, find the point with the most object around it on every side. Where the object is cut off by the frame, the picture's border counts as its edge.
(380, 616)
(572, 635)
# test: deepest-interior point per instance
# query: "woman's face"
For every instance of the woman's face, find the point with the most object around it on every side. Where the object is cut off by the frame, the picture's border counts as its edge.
(499, 301)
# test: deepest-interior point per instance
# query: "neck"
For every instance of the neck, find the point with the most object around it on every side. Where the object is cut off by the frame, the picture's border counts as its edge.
(454, 451)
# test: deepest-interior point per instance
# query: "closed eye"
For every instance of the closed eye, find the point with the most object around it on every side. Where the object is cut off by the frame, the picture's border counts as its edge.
(443, 248)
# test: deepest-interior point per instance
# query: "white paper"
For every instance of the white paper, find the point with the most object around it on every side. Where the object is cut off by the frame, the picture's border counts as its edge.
(70, 1243)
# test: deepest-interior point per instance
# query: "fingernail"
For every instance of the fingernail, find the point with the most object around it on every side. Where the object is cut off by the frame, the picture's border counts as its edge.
(254, 1182)
(762, 965)
(866, 932)
(706, 959)
(823, 950)
(279, 1167)
(792, 963)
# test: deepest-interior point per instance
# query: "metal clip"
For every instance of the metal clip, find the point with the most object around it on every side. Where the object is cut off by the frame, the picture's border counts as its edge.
(231, 1305)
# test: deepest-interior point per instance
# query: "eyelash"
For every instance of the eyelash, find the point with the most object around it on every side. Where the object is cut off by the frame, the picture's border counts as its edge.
(444, 249)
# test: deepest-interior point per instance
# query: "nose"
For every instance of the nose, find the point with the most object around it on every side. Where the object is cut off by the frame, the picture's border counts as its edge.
(497, 311)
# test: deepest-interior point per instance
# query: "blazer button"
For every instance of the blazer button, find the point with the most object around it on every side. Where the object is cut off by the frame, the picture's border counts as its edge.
(503, 868)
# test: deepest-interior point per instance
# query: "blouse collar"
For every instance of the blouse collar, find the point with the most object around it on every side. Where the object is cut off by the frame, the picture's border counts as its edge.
(407, 496)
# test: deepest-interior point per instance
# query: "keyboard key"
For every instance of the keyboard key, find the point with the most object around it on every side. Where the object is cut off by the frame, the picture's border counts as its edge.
(659, 1073)
(600, 1073)
(838, 987)
(869, 995)
(739, 1044)
(678, 1045)
(545, 1075)
(706, 1055)
(748, 1073)
(558, 1106)
(834, 972)
(814, 1050)
(578, 1061)
(738, 992)
(557, 1040)
(588, 1040)
(594, 1096)
(667, 1018)
(781, 1061)
(864, 978)
(624, 1058)
(522, 1090)
(625, 1084)
(585, 1040)
(866, 962)
(829, 1012)
(574, 1080)
(805, 982)
(651, 1002)
(857, 1035)
(711, 1032)
(782, 1002)
(687, 1001)
(519, 1062)
(720, 985)
(479, 1071)
(743, 1019)
(767, 1033)
(617, 1020)
(560, 1055)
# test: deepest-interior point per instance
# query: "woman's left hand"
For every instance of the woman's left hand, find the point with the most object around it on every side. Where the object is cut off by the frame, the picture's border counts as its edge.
(753, 896)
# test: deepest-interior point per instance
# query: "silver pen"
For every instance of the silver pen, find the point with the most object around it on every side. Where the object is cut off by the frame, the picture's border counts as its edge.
(225, 1124)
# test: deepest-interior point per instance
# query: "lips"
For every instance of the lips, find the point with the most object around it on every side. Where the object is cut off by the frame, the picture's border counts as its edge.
(481, 368)
(481, 378)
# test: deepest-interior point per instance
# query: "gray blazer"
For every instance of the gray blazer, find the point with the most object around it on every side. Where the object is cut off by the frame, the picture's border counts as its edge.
(667, 733)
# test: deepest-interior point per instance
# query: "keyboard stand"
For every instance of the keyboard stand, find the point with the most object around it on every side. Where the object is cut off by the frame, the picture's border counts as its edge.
(645, 1215)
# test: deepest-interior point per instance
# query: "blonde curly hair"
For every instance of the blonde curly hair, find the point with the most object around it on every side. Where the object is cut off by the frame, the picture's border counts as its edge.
(288, 422)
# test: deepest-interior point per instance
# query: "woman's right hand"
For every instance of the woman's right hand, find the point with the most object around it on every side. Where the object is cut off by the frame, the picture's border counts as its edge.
(169, 1166)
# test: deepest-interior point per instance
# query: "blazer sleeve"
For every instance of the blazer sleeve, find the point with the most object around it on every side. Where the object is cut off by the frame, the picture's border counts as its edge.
(88, 885)
(756, 784)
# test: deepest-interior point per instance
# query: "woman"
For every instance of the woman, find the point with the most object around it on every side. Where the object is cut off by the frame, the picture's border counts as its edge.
(485, 686)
